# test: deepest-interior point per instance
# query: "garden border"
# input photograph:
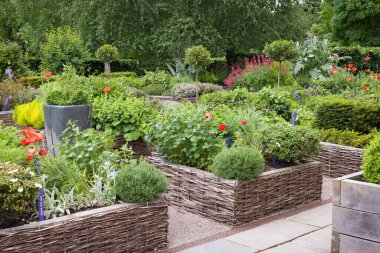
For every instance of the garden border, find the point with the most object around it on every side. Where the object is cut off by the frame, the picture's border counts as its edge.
(116, 228)
(338, 160)
(237, 202)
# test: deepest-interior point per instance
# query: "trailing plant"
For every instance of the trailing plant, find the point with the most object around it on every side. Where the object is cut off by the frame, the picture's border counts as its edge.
(240, 163)
(371, 162)
(140, 182)
(292, 144)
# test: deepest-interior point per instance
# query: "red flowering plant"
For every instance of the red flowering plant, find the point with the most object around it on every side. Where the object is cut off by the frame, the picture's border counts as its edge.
(259, 71)
(32, 138)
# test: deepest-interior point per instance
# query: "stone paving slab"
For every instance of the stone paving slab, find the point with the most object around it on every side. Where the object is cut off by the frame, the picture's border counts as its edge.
(271, 234)
(220, 246)
(318, 217)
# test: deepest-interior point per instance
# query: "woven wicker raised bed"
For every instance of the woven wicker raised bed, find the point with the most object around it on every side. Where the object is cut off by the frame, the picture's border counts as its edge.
(139, 147)
(117, 228)
(7, 119)
(339, 160)
(236, 202)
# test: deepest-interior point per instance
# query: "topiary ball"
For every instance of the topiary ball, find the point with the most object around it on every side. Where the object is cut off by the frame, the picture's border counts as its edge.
(139, 183)
(241, 163)
(371, 162)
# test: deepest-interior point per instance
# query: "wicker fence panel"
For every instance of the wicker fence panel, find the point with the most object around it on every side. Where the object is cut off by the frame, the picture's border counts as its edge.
(278, 190)
(118, 228)
(233, 202)
(7, 119)
(139, 147)
(339, 160)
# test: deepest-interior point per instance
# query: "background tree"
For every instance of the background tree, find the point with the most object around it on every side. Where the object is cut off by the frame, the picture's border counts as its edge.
(357, 22)
(107, 53)
(198, 57)
(63, 47)
(281, 50)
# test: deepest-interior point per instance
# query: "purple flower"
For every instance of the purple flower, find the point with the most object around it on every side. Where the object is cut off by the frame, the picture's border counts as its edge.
(296, 95)
(8, 72)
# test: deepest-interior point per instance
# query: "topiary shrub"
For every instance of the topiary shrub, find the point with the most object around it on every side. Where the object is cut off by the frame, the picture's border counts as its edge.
(241, 163)
(206, 88)
(347, 137)
(291, 144)
(139, 183)
(30, 114)
(342, 114)
(185, 90)
(107, 53)
(198, 57)
(371, 162)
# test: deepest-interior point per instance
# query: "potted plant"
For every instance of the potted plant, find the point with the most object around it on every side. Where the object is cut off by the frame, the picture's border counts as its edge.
(65, 100)
(356, 206)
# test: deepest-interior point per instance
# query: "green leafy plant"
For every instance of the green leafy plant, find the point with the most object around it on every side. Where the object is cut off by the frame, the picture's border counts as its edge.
(347, 137)
(371, 162)
(342, 114)
(36, 81)
(271, 101)
(291, 144)
(197, 57)
(30, 114)
(140, 182)
(129, 116)
(239, 97)
(241, 163)
(119, 74)
(107, 53)
(11, 57)
(281, 50)
(185, 136)
(11, 149)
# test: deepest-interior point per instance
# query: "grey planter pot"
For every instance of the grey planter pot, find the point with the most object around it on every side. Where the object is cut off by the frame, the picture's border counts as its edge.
(56, 118)
(356, 215)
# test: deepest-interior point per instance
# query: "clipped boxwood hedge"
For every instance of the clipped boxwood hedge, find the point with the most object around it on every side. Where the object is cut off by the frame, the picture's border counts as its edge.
(36, 81)
(119, 74)
(343, 114)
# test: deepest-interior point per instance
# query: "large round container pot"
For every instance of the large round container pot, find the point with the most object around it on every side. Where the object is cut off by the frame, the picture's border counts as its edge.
(56, 118)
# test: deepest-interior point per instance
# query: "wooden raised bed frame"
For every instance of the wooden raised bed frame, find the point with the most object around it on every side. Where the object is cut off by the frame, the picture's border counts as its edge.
(356, 215)
(117, 228)
(339, 160)
(237, 202)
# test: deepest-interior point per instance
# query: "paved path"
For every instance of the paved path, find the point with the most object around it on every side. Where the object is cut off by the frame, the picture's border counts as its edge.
(306, 232)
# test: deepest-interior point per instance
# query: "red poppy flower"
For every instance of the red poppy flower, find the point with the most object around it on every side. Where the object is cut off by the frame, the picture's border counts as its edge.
(48, 74)
(31, 152)
(365, 87)
(367, 70)
(349, 79)
(244, 122)
(28, 158)
(378, 78)
(350, 65)
(42, 152)
(208, 116)
(31, 135)
(106, 89)
(354, 69)
(345, 69)
(222, 127)
(333, 69)
(25, 142)
(367, 58)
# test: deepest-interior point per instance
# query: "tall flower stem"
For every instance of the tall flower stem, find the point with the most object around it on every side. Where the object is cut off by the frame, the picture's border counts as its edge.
(41, 196)
(228, 141)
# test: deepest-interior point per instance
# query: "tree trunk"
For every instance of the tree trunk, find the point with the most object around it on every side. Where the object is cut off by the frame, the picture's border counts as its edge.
(107, 67)
(196, 75)
(279, 74)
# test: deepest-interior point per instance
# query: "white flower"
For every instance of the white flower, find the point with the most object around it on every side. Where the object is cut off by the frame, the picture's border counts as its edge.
(13, 180)
(38, 185)
(7, 162)
(278, 144)
(20, 189)
(31, 173)
(12, 171)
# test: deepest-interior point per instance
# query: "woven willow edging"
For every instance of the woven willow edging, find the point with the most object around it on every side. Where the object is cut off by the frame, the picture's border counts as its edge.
(139, 147)
(339, 160)
(117, 228)
(236, 202)
(7, 119)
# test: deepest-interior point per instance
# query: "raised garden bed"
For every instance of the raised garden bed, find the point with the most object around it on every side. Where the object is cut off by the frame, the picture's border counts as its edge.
(339, 160)
(117, 228)
(356, 215)
(236, 202)
(139, 147)
(7, 119)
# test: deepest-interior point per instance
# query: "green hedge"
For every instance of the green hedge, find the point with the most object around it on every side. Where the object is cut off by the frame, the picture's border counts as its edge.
(119, 74)
(343, 114)
(36, 81)
(347, 137)
(358, 54)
